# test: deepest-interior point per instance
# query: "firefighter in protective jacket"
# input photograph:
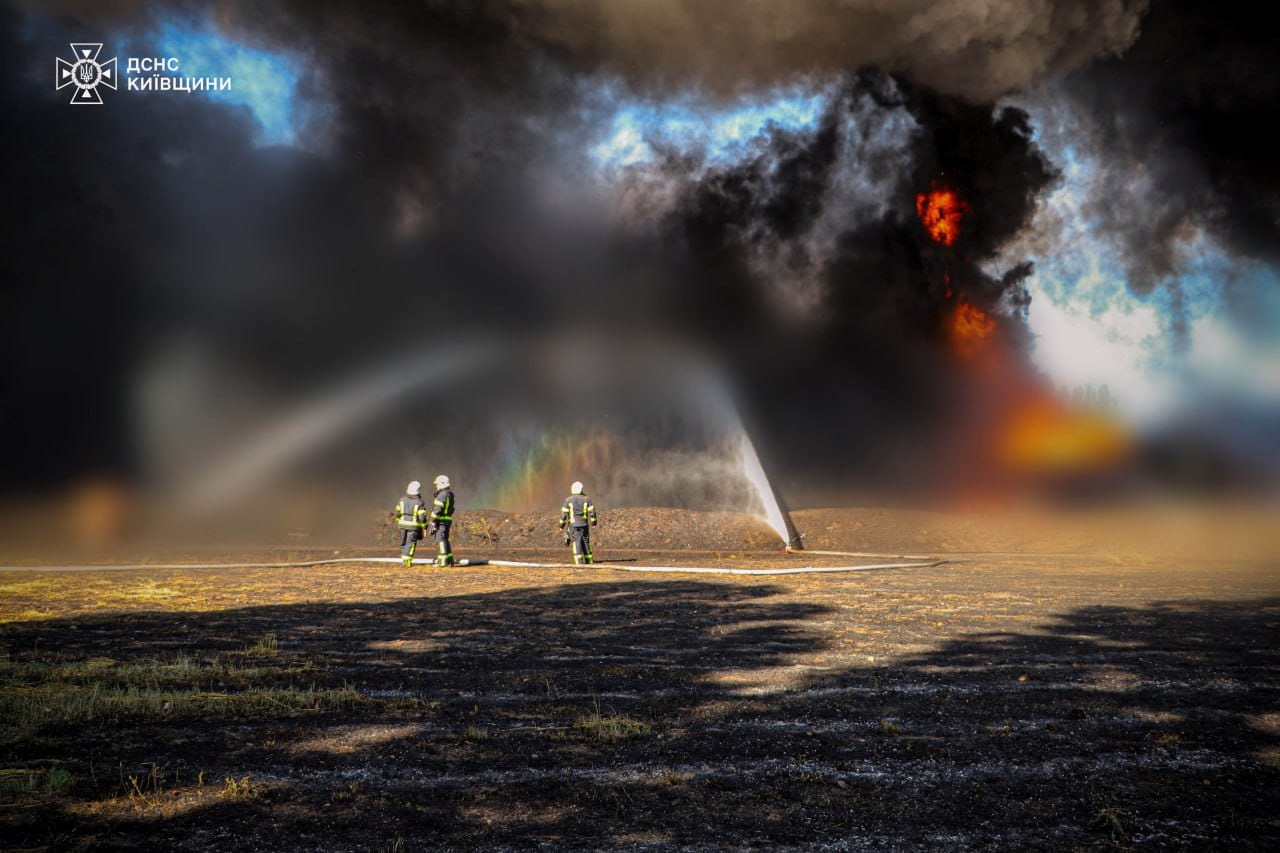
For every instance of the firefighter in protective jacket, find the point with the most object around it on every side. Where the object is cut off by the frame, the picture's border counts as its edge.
(442, 520)
(577, 513)
(411, 517)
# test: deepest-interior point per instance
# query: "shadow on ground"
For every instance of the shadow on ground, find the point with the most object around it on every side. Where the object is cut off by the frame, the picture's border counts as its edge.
(619, 715)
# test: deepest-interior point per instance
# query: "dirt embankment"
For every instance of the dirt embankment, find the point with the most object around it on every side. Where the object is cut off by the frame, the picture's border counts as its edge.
(1202, 531)
(1225, 531)
(623, 528)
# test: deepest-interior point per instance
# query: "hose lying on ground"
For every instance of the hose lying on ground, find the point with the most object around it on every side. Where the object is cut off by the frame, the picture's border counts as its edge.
(710, 570)
(802, 551)
(302, 564)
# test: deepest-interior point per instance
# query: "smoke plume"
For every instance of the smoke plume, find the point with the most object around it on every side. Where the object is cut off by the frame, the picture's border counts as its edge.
(444, 187)
(974, 49)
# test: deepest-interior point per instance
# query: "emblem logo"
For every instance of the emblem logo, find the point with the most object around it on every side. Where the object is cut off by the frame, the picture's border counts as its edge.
(86, 74)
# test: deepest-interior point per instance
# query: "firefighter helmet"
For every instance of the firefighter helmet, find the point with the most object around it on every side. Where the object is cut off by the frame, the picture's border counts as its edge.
(414, 489)
(576, 488)
(442, 482)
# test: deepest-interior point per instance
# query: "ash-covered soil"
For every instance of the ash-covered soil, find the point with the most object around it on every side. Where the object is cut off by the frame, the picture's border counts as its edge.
(1088, 699)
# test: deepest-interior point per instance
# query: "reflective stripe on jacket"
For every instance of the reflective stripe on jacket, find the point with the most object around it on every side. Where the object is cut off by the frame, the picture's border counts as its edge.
(578, 511)
(442, 507)
(411, 513)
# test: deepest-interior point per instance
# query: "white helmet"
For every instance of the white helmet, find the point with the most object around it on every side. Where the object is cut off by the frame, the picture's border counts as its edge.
(415, 488)
(442, 482)
(576, 488)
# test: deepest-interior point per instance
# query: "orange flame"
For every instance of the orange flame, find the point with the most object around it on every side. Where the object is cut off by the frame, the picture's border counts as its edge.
(968, 330)
(1044, 436)
(940, 211)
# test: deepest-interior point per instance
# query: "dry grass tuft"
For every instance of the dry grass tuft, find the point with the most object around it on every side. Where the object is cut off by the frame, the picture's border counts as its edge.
(613, 727)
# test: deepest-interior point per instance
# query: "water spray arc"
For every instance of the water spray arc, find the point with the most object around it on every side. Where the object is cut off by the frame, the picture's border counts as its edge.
(329, 417)
(715, 389)
(712, 427)
(773, 513)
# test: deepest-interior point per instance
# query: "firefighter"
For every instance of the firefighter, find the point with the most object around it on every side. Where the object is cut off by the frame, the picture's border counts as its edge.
(577, 513)
(442, 520)
(411, 517)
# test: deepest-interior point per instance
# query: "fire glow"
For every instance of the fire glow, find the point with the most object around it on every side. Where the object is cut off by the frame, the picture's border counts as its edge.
(968, 329)
(941, 211)
(1044, 435)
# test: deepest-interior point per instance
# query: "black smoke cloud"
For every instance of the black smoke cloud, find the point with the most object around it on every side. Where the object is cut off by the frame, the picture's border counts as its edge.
(419, 212)
(157, 220)
(868, 379)
(1188, 108)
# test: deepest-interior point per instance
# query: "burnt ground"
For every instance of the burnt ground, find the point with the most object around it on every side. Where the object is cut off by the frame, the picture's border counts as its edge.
(1058, 698)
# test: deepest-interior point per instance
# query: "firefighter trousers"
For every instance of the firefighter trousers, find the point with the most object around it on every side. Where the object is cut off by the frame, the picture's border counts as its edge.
(444, 550)
(409, 544)
(580, 536)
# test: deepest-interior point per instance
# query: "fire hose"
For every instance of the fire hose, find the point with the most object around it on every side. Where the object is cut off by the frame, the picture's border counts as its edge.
(801, 551)
(925, 562)
(716, 570)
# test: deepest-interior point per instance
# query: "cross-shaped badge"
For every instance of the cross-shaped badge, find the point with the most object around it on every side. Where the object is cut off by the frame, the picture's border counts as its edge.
(86, 73)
